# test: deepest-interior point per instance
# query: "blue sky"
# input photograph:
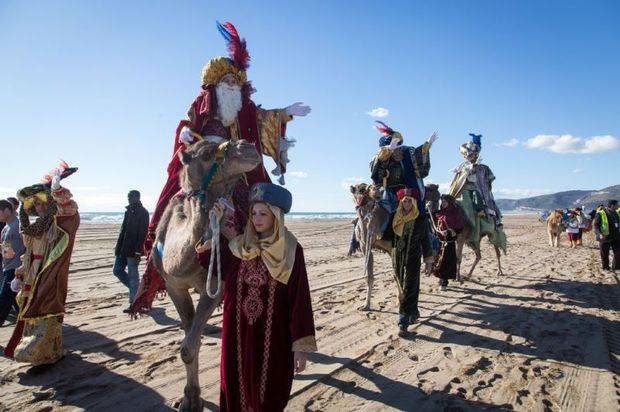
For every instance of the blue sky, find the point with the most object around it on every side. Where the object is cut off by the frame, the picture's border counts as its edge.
(103, 84)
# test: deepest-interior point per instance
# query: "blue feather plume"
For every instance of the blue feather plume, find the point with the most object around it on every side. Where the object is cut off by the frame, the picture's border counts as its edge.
(476, 139)
(223, 31)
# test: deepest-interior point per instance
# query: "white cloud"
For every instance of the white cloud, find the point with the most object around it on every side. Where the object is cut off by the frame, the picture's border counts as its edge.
(516, 193)
(298, 174)
(378, 112)
(508, 143)
(567, 143)
(578, 170)
(349, 181)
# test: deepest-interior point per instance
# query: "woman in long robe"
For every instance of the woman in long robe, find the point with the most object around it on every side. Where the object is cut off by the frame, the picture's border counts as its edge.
(268, 325)
(450, 222)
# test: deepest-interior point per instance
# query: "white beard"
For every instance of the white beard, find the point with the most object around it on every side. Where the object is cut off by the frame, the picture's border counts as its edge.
(228, 102)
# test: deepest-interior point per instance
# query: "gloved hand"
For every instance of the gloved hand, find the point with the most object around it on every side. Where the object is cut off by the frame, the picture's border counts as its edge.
(56, 179)
(16, 285)
(298, 109)
(185, 136)
(432, 139)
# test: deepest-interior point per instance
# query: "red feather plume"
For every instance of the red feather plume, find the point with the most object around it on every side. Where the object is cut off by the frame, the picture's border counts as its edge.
(383, 128)
(236, 46)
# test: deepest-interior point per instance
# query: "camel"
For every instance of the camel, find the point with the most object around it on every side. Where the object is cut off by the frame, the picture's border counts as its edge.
(555, 227)
(209, 172)
(371, 219)
(464, 238)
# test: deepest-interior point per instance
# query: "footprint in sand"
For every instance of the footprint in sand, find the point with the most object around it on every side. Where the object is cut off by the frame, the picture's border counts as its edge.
(447, 352)
(424, 372)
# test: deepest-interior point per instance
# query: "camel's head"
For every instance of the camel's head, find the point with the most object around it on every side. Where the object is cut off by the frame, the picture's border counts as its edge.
(363, 192)
(432, 196)
(233, 159)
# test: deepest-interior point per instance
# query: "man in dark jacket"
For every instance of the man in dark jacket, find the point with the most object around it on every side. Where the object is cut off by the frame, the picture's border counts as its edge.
(130, 243)
(607, 228)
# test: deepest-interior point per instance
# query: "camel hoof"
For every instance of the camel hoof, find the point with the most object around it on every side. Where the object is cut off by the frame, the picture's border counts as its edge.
(500, 273)
(191, 404)
(364, 308)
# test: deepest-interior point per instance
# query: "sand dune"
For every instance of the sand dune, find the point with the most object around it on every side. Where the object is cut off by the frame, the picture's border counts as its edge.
(546, 336)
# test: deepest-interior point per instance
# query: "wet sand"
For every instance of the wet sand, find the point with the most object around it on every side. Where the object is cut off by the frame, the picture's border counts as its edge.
(545, 336)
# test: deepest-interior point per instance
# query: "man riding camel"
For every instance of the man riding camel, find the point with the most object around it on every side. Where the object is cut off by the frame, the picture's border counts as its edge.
(398, 167)
(472, 186)
(222, 111)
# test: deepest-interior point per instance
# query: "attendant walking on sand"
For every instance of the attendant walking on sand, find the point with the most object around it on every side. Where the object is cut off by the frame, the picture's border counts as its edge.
(42, 279)
(411, 243)
(129, 246)
(268, 326)
(12, 250)
(450, 222)
(573, 228)
(607, 228)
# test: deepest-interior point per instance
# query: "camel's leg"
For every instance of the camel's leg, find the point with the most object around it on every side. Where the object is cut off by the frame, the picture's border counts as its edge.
(551, 239)
(370, 278)
(192, 402)
(473, 266)
(184, 305)
(204, 310)
(498, 254)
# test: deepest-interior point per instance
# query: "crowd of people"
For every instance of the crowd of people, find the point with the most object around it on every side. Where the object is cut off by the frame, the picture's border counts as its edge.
(603, 220)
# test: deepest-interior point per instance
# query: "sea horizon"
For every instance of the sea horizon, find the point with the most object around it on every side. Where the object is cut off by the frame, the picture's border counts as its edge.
(117, 217)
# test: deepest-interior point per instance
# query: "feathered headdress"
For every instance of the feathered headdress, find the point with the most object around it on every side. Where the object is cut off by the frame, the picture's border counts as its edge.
(236, 45)
(476, 139)
(473, 146)
(389, 134)
(383, 128)
(237, 62)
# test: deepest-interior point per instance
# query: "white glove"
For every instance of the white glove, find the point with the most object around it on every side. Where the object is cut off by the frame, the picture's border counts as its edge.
(298, 109)
(56, 179)
(432, 139)
(186, 136)
(16, 285)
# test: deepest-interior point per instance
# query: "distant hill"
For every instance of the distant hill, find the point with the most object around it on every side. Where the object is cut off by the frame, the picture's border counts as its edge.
(560, 200)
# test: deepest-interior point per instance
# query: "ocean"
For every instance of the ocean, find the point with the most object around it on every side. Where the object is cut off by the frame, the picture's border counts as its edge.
(115, 218)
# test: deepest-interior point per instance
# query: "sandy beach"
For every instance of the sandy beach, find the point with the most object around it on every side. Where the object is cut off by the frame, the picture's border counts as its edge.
(544, 337)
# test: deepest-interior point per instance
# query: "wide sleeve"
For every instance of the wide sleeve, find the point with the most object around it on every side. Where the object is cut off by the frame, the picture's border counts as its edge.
(64, 200)
(421, 159)
(301, 318)
(427, 248)
(272, 127)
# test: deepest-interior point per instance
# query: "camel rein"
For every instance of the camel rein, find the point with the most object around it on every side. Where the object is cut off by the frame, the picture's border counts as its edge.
(214, 226)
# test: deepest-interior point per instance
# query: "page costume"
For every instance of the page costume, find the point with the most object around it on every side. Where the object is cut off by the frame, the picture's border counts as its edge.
(37, 338)
(411, 243)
